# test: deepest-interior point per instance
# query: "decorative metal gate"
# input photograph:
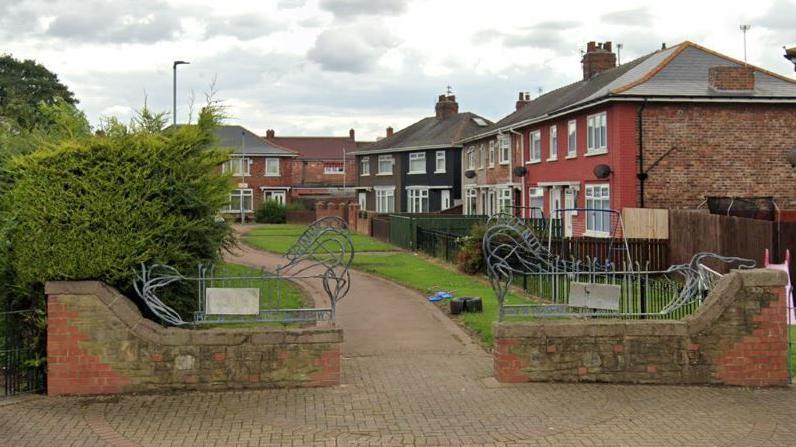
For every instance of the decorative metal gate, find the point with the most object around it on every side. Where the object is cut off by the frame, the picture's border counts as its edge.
(22, 352)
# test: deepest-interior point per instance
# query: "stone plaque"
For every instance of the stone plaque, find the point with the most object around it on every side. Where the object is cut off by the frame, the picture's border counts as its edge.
(594, 296)
(232, 301)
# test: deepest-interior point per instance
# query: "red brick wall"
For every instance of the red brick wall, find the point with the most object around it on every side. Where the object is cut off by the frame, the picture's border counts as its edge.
(312, 173)
(731, 78)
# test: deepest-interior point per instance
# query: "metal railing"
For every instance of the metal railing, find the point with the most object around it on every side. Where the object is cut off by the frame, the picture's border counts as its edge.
(22, 352)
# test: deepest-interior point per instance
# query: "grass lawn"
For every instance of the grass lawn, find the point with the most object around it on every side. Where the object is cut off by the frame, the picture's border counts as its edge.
(278, 238)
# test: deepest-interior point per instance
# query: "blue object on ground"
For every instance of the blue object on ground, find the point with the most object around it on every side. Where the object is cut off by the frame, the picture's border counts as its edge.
(439, 296)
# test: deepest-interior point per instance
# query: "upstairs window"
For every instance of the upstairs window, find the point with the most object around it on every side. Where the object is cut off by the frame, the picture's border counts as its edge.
(238, 166)
(440, 162)
(417, 163)
(271, 167)
(505, 144)
(597, 133)
(482, 157)
(572, 139)
(536, 146)
(553, 143)
(471, 159)
(492, 154)
(364, 166)
(386, 163)
(333, 168)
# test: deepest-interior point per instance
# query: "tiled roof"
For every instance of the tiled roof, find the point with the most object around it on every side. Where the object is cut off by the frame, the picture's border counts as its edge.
(431, 132)
(244, 141)
(317, 148)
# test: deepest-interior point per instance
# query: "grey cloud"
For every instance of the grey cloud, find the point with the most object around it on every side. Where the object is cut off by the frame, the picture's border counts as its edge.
(779, 17)
(555, 25)
(351, 8)
(629, 17)
(244, 27)
(353, 49)
(539, 38)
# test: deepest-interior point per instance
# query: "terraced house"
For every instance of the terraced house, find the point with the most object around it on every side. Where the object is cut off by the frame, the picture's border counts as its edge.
(417, 169)
(667, 130)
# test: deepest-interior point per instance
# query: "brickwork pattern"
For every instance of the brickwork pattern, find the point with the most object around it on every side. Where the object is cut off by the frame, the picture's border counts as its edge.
(98, 343)
(731, 78)
(738, 337)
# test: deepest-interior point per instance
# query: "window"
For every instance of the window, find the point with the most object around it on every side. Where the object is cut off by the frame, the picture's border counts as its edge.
(553, 143)
(238, 166)
(536, 203)
(333, 167)
(445, 199)
(440, 166)
(504, 201)
(470, 203)
(418, 200)
(598, 198)
(240, 198)
(572, 139)
(417, 163)
(536, 146)
(386, 163)
(492, 154)
(597, 133)
(385, 200)
(363, 201)
(471, 159)
(505, 144)
(271, 167)
(364, 166)
(275, 196)
(482, 158)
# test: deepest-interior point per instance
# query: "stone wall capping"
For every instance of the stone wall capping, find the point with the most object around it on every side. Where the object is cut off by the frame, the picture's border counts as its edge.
(763, 278)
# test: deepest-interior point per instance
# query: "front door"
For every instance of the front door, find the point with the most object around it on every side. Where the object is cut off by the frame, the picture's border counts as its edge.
(363, 201)
(555, 203)
(491, 202)
(484, 209)
(569, 204)
(445, 199)
(276, 196)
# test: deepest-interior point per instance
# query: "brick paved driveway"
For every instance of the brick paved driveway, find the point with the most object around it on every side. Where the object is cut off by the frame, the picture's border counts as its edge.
(411, 378)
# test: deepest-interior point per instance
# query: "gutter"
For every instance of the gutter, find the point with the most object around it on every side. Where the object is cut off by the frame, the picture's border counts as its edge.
(406, 149)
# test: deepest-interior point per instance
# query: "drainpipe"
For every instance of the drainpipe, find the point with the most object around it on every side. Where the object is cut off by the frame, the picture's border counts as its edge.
(511, 168)
(641, 176)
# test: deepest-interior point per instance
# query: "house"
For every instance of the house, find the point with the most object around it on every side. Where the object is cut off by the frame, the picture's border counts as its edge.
(324, 166)
(417, 169)
(260, 169)
(666, 130)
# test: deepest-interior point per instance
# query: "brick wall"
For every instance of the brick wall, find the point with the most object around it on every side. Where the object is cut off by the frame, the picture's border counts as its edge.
(731, 78)
(312, 173)
(98, 343)
(738, 337)
(718, 150)
(327, 209)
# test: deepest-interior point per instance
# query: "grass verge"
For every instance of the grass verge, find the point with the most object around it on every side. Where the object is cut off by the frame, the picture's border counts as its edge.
(278, 238)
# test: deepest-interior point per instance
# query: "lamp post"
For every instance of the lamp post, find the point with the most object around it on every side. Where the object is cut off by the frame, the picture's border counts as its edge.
(790, 54)
(174, 68)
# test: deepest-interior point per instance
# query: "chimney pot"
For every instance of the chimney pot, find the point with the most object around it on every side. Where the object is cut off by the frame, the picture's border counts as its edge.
(269, 134)
(598, 58)
(524, 98)
(389, 131)
(351, 133)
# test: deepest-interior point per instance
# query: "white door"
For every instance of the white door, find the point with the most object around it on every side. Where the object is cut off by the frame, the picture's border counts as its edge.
(555, 203)
(276, 196)
(445, 199)
(484, 209)
(569, 203)
(363, 201)
(491, 202)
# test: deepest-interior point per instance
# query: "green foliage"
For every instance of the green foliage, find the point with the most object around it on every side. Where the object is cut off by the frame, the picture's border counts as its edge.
(270, 211)
(470, 259)
(296, 206)
(95, 207)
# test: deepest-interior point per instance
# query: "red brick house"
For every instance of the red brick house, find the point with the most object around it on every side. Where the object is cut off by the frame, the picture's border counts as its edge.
(260, 170)
(666, 130)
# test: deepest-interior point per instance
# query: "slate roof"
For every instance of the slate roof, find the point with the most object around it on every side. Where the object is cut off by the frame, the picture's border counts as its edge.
(430, 132)
(317, 148)
(677, 71)
(230, 137)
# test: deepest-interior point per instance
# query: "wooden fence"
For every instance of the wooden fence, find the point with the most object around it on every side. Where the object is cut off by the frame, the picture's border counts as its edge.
(381, 227)
(650, 254)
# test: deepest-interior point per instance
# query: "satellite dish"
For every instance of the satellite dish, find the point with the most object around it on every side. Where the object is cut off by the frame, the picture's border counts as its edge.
(602, 171)
(469, 173)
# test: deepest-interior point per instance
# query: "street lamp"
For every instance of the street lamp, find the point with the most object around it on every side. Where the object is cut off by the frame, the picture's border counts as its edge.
(790, 54)
(174, 68)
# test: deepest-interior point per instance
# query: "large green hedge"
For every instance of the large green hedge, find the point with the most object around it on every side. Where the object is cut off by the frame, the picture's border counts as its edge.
(96, 207)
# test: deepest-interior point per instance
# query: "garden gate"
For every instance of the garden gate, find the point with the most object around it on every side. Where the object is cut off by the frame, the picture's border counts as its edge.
(22, 351)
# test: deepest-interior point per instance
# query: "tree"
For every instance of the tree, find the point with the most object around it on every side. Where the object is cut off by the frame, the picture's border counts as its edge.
(24, 85)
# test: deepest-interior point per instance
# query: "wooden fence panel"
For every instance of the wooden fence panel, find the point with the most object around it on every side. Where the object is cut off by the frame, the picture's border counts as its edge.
(381, 228)
(645, 223)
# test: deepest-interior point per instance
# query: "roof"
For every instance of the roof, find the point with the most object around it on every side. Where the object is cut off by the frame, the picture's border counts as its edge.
(232, 136)
(680, 71)
(317, 148)
(429, 133)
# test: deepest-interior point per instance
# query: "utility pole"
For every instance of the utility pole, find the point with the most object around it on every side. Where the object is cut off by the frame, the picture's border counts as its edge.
(744, 29)
(174, 85)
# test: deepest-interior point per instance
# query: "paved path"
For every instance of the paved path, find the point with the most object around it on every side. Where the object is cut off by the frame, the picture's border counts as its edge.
(411, 377)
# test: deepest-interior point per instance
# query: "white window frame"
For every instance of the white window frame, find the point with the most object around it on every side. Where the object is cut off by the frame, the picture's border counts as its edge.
(385, 200)
(417, 200)
(275, 193)
(362, 199)
(482, 157)
(572, 139)
(471, 203)
(535, 148)
(241, 162)
(535, 194)
(471, 159)
(439, 157)
(492, 154)
(553, 143)
(504, 142)
(417, 157)
(444, 196)
(597, 133)
(504, 201)
(364, 166)
(333, 169)
(240, 193)
(386, 159)
(598, 224)
(271, 161)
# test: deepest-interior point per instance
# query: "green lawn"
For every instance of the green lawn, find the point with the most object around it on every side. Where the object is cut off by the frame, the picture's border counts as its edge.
(278, 238)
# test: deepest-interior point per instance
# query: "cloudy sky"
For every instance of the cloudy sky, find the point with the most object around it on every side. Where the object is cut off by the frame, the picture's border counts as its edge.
(320, 67)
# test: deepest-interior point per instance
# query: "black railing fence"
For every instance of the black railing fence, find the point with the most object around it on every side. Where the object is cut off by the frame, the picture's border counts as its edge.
(22, 356)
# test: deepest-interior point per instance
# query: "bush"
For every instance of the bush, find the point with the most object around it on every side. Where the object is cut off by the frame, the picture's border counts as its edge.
(97, 206)
(470, 259)
(272, 212)
(296, 206)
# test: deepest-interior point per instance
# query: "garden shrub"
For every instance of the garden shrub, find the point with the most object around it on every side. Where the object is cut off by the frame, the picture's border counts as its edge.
(470, 259)
(271, 212)
(296, 206)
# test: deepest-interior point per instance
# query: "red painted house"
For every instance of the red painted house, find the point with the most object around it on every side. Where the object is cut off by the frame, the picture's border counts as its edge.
(666, 130)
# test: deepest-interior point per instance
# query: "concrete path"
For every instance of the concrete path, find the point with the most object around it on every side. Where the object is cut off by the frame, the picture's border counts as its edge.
(411, 377)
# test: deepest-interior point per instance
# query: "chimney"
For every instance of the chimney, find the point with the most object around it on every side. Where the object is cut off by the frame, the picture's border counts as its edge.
(389, 132)
(269, 134)
(446, 106)
(524, 98)
(731, 78)
(598, 58)
(351, 134)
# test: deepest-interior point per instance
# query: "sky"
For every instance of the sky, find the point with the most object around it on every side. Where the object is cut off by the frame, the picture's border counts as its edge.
(320, 67)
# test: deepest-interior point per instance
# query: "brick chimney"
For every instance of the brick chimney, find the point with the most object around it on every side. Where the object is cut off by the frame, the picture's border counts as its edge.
(598, 58)
(731, 78)
(446, 106)
(523, 99)
(270, 134)
(351, 134)
(389, 132)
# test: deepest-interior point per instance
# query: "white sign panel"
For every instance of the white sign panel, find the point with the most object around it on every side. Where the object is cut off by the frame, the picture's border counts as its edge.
(594, 296)
(232, 301)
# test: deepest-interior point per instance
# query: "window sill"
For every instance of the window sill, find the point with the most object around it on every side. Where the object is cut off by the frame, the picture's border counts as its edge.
(552, 159)
(492, 166)
(440, 172)
(384, 174)
(364, 175)
(504, 162)
(416, 173)
(272, 175)
(589, 233)
(533, 162)
(571, 157)
(599, 152)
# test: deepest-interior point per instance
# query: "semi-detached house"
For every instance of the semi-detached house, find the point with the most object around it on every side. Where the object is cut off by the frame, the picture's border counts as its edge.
(666, 130)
